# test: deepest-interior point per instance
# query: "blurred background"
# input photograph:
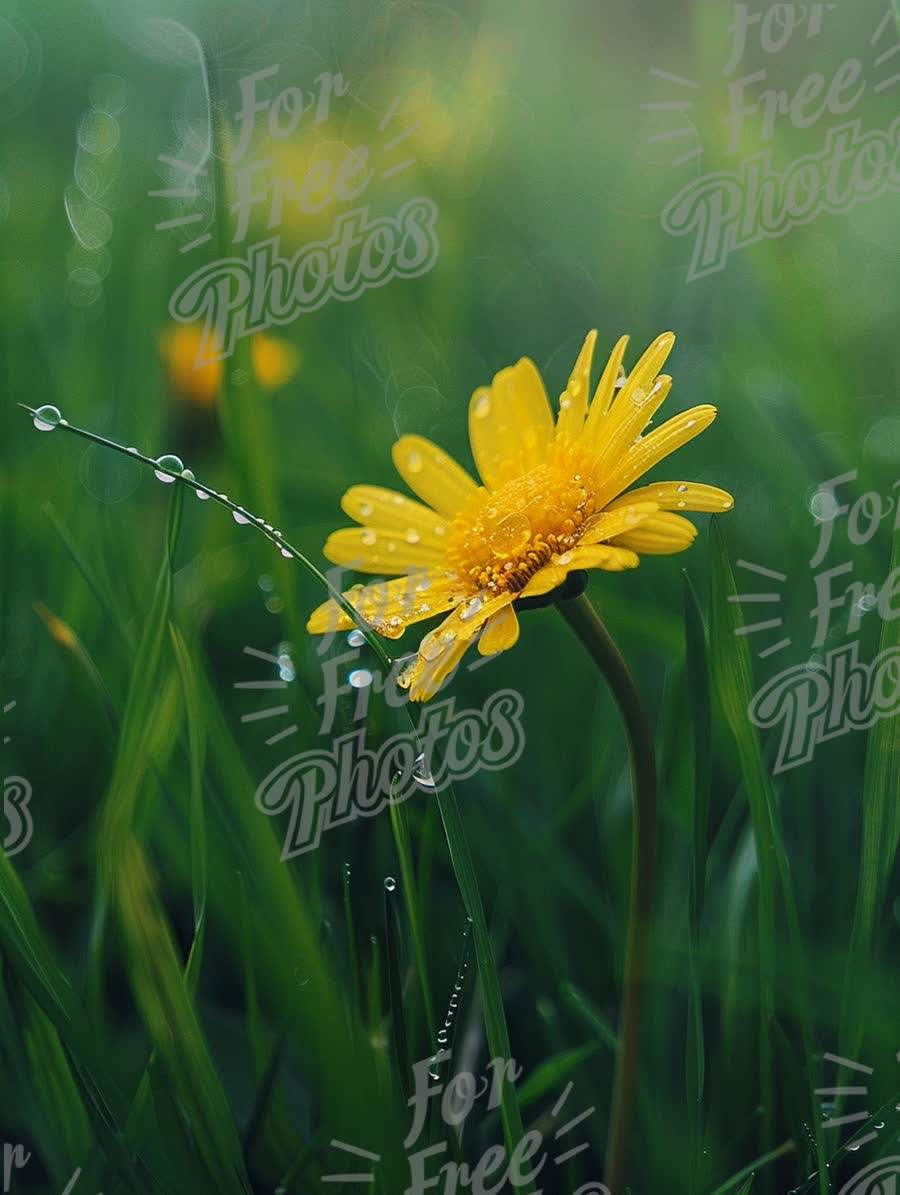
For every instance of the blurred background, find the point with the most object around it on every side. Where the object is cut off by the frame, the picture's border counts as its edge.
(180, 1008)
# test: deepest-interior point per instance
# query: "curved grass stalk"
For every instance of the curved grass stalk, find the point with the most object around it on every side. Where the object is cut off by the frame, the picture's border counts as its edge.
(454, 830)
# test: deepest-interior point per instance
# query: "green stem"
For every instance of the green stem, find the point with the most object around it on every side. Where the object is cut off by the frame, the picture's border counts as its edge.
(587, 625)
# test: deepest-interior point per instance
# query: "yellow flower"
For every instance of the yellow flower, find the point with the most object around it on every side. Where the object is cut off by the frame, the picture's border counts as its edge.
(275, 362)
(552, 501)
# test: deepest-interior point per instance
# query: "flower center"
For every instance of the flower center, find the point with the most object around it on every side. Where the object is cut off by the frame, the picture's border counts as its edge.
(502, 537)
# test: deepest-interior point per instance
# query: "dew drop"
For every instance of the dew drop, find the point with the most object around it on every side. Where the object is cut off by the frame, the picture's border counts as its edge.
(412, 536)
(390, 884)
(239, 516)
(482, 406)
(361, 678)
(681, 505)
(471, 609)
(430, 648)
(47, 418)
(173, 463)
(188, 474)
(509, 535)
(422, 774)
(682, 489)
(368, 537)
(366, 509)
(414, 462)
(202, 495)
(286, 553)
(356, 638)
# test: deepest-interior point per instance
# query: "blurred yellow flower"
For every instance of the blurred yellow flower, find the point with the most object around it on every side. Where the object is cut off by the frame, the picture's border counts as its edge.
(180, 348)
(275, 362)
(552, 501)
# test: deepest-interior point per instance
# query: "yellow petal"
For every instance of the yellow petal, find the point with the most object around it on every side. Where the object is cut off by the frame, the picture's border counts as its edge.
(603, 556)
(510, 424)
(429, 675)
(573, 402)
(678, 495)
(660, 535)
(651, 449)
(384, 510)
(615, 521)
(433, 475)
(501, 632)
(626, 421)
(605, 393)
(543, 581)
(390, 606)
(370, 551)
(275, 361)
(442, 649)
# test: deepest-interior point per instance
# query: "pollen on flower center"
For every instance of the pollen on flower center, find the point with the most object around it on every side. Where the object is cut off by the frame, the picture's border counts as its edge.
(503, 536)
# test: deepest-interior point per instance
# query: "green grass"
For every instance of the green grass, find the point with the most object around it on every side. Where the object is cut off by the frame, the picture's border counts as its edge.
(182, 1010)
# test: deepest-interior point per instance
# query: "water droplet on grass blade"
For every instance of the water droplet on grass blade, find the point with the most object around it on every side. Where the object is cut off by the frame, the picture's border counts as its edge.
(422, 774)
(174, 465)
(390, 884)
(239, 516)
(47, 418)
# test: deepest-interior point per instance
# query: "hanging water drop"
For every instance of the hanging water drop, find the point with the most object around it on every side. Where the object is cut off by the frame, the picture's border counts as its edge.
(239, 516)
(422, 774)
(47, 418)
(390, 884)
(285, 552)
(173, 464)
(356, 638)
(361, 678)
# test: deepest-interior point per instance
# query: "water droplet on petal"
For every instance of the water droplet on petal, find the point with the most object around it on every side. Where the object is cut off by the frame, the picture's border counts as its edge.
(482, 406)
(173, 463)
(430, 647)
(368, 537)
(412, 536)
(682, 489)
(366, 509)
(414, 462)
(47, 418)
(471, 608)
(509, 535)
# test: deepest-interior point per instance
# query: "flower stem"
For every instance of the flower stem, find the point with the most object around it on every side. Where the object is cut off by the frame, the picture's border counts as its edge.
(587, 625)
